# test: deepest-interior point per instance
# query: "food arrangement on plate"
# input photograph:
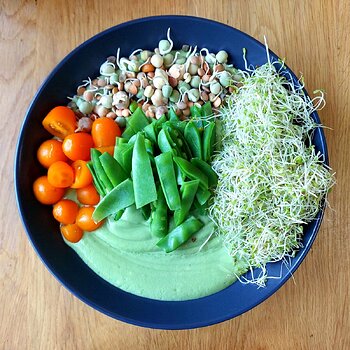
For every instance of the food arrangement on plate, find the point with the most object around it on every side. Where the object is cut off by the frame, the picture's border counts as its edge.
(173, 173)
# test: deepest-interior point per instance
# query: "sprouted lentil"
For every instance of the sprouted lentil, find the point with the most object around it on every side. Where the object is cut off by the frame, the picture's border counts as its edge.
(165, 78)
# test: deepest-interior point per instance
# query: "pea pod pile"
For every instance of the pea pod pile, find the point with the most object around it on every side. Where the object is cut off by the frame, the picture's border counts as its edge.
(162, 167)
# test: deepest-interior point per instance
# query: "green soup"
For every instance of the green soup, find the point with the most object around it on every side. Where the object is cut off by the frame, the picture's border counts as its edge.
(124, 254)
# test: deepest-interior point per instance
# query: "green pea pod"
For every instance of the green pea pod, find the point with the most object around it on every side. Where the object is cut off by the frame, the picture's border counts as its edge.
(119, 214)
(193, 139)
(178, 125)
(172, 115)
(143, 180)
(118, 199)
(208, 141)
(180, 177)
(138, 120)
(158, 122)
(146, 211)
(132, 139)
(166, 172)
(192, 172)
(113, 169)
(96, 180)
(133, 106)
(196, 117)
(188, 193)
(164, 143)
(100, 173)
(179, 142)
(207, 170)
(150, 132)
(200, 208)
(128, 132)
(195, 111)
(159, 215)
(120, 140)
(149, 147)
(180, 234)
(202, 195)
(123, 155)
(206, 110)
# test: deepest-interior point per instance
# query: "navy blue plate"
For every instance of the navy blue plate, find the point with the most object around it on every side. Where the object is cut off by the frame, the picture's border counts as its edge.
(43, 231)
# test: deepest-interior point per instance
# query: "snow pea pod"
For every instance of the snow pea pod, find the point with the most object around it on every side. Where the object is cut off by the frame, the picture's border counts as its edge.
(100, 173)
(146, 211)
(143, 180)
(188, 192)
(178, 125)
(119, 140)
(207, 170)
(123, 155)
(193, 139)
(179, 141)
(196, 117)
(149, 146)
(158, 122)
(195, 111)
(118, 199)
(119, 214)
(165, 143)
(128, 132)
(113, 169)
(172, 115)
(206, 110)
(192, 171)
(159, 215)
(180, 234)
(96, 180)
(138, 120)
(150, 132)
(209, 136)
(202, 195)
(166, 172)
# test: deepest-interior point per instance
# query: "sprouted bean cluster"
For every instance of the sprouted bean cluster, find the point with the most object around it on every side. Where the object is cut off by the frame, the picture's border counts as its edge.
(271, 179)
(155, 80)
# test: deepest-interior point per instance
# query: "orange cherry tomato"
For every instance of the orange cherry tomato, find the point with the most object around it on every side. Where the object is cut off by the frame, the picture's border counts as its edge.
(65, 211)
(60, 122)
(45, 193)
(104, 131)
(60, 174)
(77, 146)
(49, 152)
(109, 149)
(85, 221)
(88, 195)
(82, 175)
(72, 233)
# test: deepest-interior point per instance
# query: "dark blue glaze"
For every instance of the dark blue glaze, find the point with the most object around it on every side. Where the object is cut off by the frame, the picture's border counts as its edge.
(43, 231)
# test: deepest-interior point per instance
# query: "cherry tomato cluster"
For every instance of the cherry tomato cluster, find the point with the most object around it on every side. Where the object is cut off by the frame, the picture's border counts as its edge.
(65, 159)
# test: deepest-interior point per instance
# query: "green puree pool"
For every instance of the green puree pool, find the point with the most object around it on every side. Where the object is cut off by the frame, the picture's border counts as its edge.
(124, 253)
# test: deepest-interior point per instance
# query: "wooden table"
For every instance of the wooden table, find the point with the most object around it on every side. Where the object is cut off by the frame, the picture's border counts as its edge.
(310, 312)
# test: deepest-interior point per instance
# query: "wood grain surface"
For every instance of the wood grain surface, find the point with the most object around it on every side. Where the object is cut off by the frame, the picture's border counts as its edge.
(310, 312)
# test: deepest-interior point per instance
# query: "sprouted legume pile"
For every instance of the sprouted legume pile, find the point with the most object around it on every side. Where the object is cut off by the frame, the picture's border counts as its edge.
(144, 133)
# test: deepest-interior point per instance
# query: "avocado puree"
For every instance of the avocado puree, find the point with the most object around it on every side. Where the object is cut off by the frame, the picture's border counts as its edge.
(125, 254)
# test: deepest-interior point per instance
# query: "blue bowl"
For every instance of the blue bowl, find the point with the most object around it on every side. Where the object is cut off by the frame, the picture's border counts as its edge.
(42, 229)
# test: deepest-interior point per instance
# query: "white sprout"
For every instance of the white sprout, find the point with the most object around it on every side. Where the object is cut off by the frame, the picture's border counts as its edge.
(144, 63)
(117, 59)
(188, 60)
(135, 52)
(189, 52)
(271, 179)
(170, 41)
(175, 58)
